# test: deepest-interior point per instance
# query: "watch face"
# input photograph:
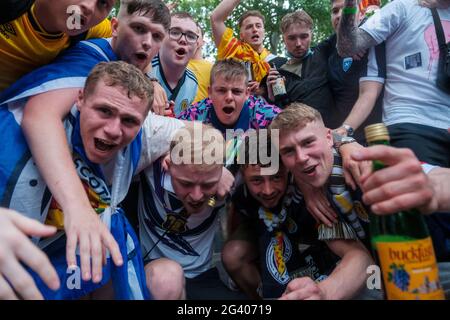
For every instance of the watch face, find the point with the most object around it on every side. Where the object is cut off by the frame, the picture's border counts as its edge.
(337, 138)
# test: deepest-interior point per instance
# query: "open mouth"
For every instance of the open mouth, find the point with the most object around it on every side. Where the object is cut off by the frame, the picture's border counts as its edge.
(141, 56)
(228, 110)
(310, 170)
(181, 51)
(104, 145)
(196, 205)
(255, 37)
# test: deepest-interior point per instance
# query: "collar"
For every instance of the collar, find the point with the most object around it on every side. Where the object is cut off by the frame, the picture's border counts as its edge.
(293, 60)
(242, 122)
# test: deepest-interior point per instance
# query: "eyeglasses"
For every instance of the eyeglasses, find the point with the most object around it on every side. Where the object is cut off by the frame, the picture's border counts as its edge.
(176, 34)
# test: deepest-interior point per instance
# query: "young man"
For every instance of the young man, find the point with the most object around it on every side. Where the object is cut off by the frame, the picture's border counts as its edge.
(176, 223)
(229, 105)
(170, 66)
(353, 81)
(44, 29)
(106, 145)
(249, 48)
(305, 72)
(49, 94)
(273, 213)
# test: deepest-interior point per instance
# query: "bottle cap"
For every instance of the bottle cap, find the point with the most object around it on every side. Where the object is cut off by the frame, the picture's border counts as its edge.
(376, 132)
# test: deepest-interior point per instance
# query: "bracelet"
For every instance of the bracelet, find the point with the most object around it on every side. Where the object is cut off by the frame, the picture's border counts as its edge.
(349, 10)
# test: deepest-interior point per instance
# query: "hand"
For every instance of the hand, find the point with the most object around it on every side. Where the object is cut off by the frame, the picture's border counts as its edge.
(353, 170)
(84, 227)
(160, 101)
(271, 78)
(168, 112)
(171, 6)
(341, 131)
(359, 55)
(303, 289)
(16, 247)
(225, 184)
(253, 87)
(317, 204)
(403, 185)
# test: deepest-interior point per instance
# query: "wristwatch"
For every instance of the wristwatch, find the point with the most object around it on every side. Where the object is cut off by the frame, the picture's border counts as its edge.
(339, 140)
(349, 129)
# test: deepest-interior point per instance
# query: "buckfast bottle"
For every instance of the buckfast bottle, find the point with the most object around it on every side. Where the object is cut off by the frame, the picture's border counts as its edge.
(403, 245)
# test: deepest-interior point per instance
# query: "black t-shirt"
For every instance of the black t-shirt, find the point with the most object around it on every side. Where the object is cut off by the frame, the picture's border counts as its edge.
(311, 87)
(343, 77)
(303, 253)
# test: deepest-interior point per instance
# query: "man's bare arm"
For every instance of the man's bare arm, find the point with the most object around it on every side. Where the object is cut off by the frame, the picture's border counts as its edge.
(219, 16)
(368, 95)
(46, 137)
(440, 182)
(350, 38)
(354, 263)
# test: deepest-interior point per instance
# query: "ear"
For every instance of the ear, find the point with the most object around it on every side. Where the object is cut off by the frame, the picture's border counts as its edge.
(329, 137)
(114, 26)
(80, 99)
(209, 90)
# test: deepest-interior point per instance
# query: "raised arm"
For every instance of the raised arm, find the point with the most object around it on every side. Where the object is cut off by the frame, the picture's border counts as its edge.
(46, 137)
(219, 16)
(350, 39)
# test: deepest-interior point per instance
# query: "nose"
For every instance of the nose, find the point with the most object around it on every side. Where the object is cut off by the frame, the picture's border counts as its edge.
(147, 42)
(267, 188)
(196, 193)
(113, 129)
(228, 96)
(298, 42)
(300, 156)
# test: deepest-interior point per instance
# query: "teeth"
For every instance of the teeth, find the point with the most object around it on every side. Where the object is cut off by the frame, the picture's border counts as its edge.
(103, 145)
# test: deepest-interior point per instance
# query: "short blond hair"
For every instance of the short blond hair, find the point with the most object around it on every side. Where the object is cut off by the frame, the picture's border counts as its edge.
(230, 69)
(299, 16)
(296, 115)
(123, 75)
(198, 144)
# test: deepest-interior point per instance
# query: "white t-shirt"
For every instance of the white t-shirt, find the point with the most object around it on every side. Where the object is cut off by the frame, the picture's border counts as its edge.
(412, 56)
(191, 249)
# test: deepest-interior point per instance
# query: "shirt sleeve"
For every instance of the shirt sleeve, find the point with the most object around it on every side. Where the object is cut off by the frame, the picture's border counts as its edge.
(385, 21)
(375, 70)
(102, 30)
(157, 133)
(225, 48)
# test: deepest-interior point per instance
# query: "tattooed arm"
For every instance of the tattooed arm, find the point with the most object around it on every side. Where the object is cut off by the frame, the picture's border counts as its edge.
(350, 38)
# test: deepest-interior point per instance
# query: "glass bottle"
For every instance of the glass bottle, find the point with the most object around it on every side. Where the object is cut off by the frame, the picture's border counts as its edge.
(279, 91)
(403, 245)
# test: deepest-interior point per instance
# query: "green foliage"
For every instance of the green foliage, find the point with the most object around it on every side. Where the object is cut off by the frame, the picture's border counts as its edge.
(273, 10)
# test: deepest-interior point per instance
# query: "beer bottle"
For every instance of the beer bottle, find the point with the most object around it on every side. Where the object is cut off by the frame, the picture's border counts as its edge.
(403, 245)
(279, 91)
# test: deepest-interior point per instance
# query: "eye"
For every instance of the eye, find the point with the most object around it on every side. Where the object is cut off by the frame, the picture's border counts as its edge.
(237, 92)
(104, 111)
(192, 37)
(130, 121)
(158, 37)
(104, 4)
(138, 29)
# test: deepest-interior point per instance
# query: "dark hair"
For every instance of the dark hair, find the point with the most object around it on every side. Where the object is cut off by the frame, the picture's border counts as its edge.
(252, 146)
(158, 9)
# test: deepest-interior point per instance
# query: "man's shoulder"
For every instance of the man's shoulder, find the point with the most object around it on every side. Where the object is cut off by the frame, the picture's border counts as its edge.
(262, 108)
(198, 111)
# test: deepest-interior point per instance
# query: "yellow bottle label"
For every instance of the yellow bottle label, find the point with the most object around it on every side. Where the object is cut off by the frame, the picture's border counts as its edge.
(409, 270)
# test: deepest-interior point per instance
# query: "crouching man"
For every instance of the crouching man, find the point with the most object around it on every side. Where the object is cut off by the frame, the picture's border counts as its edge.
(176, 220)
